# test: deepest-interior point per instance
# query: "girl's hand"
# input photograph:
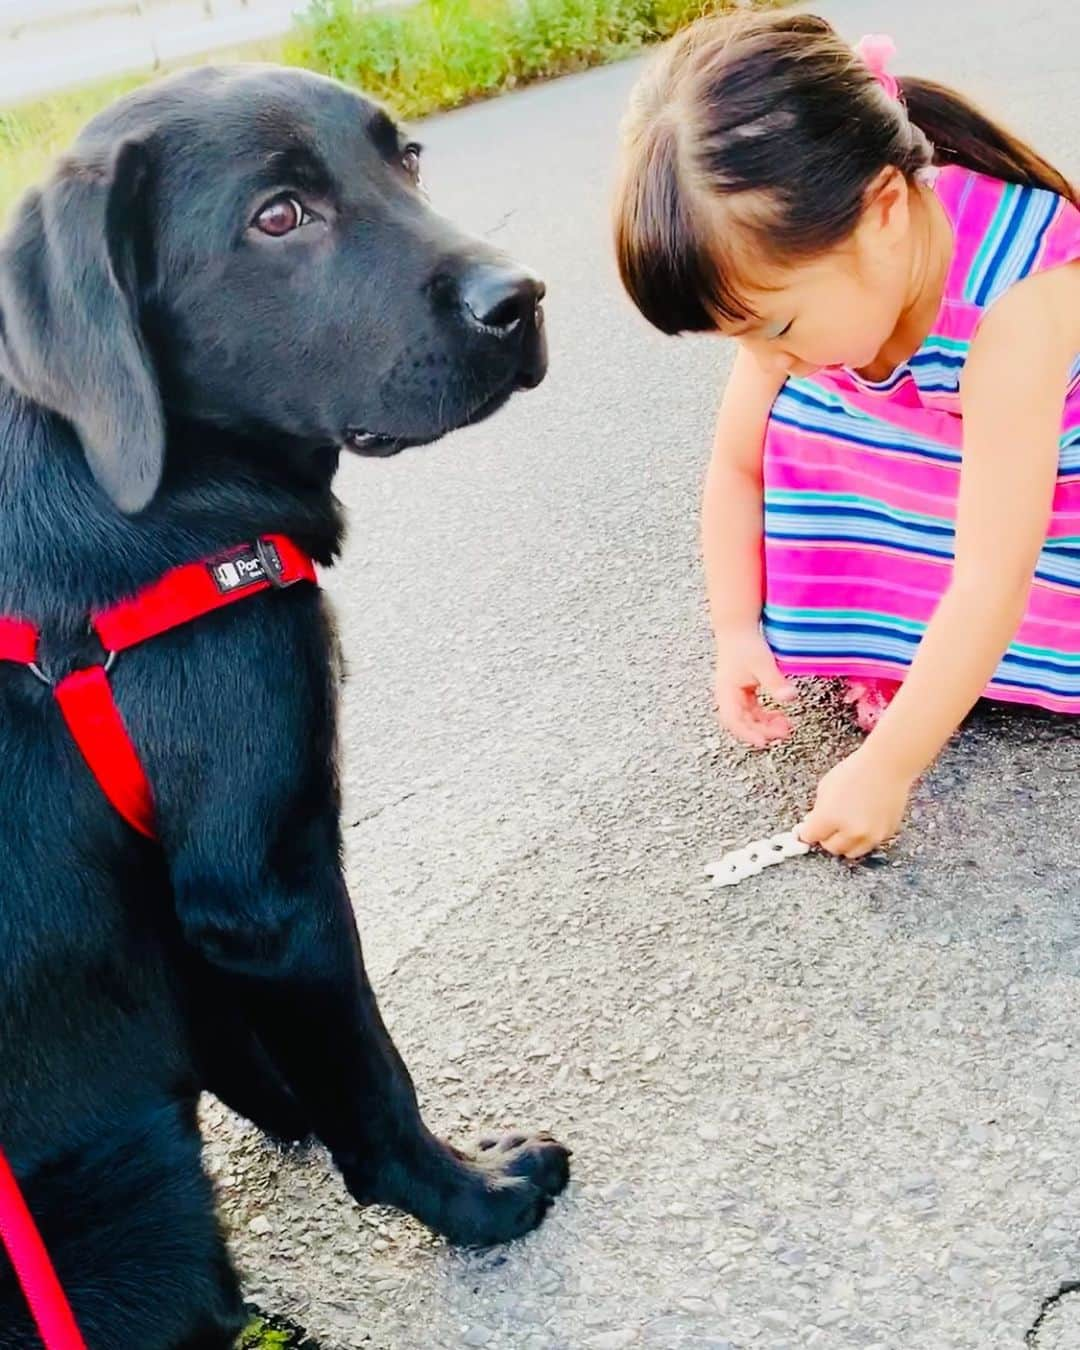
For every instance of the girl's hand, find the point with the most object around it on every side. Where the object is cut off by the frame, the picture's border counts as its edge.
(859, 805)
(744, 666)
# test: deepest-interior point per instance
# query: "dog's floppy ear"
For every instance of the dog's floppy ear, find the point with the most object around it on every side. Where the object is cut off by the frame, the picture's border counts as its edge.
(69, 330)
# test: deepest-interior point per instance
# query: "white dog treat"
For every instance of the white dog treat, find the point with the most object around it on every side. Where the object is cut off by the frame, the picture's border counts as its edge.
(751, 859)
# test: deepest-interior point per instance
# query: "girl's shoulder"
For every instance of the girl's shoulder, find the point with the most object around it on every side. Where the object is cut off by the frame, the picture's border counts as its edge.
(1005, 238)
(1002, 233)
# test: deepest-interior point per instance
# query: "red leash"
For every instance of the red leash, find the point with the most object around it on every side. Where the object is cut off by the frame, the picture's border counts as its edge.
(33, 1269)
(86, 702)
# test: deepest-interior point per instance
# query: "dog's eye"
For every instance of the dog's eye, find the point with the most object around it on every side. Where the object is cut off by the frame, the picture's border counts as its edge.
(281, 216)
(410, 161)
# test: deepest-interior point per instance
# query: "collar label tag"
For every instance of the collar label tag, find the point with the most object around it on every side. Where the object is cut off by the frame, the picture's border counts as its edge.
(244, 567)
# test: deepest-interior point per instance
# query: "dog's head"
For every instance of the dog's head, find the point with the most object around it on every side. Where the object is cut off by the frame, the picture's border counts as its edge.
(251, 248)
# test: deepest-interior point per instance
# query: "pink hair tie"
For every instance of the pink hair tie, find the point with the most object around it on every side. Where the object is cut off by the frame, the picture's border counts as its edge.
(876, 50)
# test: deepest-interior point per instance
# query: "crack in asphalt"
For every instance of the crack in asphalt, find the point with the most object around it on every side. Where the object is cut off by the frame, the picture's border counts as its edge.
(381, 810)
(1048, 1304)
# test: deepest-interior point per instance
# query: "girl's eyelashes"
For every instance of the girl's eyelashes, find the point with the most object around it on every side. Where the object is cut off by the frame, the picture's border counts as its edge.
(780, 332)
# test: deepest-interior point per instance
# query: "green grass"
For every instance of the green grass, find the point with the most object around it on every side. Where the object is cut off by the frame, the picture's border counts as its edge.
(30, 136)
(258, 1335)
(33, 134)
(263, 1333)
(417, 58)
(441, 53)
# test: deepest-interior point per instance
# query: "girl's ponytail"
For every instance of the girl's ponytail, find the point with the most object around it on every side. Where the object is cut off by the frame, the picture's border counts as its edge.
(961, 134)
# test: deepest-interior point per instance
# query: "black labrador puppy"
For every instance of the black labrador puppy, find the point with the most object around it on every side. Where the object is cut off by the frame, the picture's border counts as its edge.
(233, 275)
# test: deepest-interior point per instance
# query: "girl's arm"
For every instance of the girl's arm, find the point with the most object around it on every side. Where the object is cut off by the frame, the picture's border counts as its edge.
(1013, 393)
(731, 542)
(731, 509)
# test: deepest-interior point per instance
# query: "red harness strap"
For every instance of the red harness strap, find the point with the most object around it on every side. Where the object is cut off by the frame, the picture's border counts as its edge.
(18, 641)
(33, 1269)
(187, 593)
(86, 702)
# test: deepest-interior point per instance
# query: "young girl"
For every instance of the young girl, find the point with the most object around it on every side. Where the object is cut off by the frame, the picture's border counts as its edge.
(894, 492)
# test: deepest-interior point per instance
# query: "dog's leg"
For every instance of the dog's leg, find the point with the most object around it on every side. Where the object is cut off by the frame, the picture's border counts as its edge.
(306, 992)
(255, 862)
(129, 1223)
(210, 1340)
(239, 1072)
(501, 1193)
(252, 1087)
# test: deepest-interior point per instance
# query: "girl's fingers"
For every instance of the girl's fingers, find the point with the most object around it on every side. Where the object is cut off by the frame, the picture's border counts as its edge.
(815, 828)
(845, 845)
(740, 713)
(733, 711)
(752, 732)
(821, 832)
(836, 843)
(773, 724)
(769, 725)
(778, 686)
(776, 725)
(818, 830)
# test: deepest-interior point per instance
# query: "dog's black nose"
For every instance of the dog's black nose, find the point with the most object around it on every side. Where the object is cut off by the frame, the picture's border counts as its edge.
(500, 297)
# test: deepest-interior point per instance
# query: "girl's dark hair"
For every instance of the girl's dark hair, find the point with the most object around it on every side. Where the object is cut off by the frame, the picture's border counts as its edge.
(772, 124)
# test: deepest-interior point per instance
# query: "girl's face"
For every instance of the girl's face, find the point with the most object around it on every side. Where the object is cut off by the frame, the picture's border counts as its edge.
(841, 308)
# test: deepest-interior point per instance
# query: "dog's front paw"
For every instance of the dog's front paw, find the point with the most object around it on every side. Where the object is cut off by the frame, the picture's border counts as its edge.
(538, 1158)
(500, 1193)
(505, 1191)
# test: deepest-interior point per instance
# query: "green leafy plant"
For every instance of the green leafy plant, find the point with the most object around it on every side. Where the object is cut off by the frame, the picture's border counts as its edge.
(441, 53)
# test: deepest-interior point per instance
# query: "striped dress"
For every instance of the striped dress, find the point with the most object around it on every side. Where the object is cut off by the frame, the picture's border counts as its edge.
(861, 478)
